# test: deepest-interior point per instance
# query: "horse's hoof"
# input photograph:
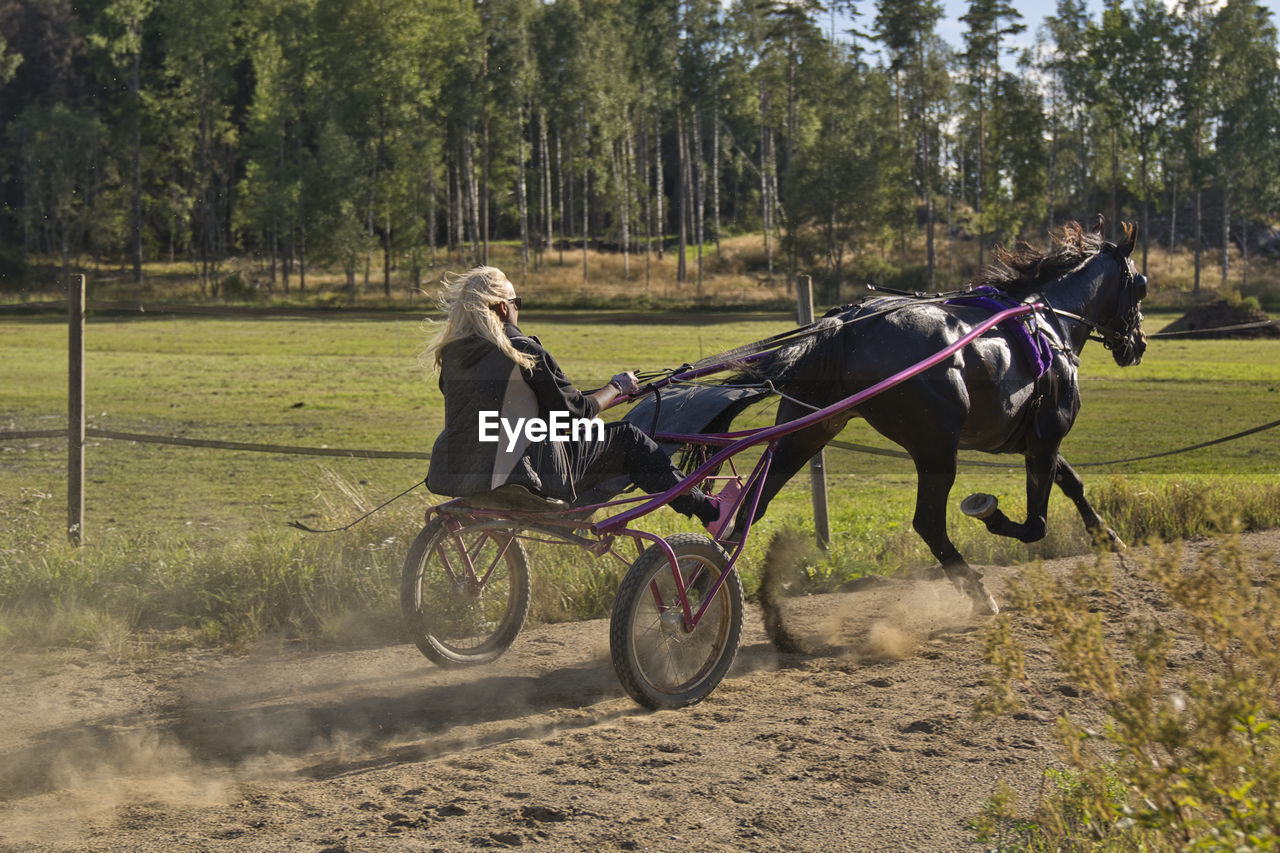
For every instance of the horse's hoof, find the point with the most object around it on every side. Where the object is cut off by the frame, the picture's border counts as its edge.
(970, 584)
(1105, 537)
(983, 602)
(979, 505)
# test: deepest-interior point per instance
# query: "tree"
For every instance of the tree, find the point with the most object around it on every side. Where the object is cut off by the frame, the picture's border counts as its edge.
(279, 125)
(42, 65)
(1146, 82)
(337, 218)
(58, 152)
(1248, 131)
(201, 55)
(1193, 87)
(917, 61)
(1068, 68)
(988, 22)
(9, 62)
(1108, 91)
(125, 20)
(1017, 186)
(846, 182)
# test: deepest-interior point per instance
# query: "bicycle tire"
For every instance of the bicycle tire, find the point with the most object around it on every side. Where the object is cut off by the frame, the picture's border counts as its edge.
(455, 618)
(660, 663)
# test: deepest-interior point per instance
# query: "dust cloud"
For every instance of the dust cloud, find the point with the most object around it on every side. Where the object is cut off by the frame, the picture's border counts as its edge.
(52, 793)
(875, 618)
(164, 736)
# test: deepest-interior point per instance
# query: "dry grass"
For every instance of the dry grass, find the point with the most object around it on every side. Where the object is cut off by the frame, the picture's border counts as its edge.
(733, 273)
(736, 273)
(1190, 756)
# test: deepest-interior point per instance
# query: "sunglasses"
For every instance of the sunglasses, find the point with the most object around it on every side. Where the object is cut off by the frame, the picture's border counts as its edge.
(516, 302)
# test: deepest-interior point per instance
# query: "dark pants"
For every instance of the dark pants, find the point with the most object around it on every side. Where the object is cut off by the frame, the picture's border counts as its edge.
(627, 454)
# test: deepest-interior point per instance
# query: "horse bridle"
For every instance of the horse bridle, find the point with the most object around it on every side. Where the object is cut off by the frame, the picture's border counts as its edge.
(1131, 317)
(1103, 334)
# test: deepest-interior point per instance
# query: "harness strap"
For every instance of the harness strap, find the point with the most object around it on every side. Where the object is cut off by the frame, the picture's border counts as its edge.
(1023, 333)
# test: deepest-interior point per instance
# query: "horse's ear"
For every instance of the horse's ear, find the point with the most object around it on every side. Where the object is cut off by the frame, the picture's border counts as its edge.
(1130, 239)
(1099, 225)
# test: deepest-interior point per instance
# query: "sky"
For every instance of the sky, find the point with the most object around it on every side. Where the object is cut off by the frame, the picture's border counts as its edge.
(1033, 14)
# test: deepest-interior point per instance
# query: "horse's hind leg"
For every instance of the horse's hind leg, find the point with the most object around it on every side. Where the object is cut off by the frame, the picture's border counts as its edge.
(791, 454)
(935, 474)
(1069, 481)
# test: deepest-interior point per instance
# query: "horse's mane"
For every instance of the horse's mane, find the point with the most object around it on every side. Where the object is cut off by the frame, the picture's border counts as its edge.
(1025, 268)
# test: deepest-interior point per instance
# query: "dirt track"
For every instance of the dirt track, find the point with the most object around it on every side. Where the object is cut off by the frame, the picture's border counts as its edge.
(870, 747)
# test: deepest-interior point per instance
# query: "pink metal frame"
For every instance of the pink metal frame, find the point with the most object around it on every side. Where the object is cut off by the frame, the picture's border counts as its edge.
(562, 524)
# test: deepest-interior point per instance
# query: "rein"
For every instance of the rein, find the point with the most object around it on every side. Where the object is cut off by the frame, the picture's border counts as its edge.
(747, 352)
(1106, 335)
(722, 360)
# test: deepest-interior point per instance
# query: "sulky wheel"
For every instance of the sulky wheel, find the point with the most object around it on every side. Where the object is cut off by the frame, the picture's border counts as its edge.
(661, 663)
(465, 590)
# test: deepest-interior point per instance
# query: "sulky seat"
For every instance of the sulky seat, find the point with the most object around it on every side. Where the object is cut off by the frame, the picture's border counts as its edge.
(514, 497)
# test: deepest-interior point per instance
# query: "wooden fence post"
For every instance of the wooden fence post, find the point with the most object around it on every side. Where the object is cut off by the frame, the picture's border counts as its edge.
(75, 410)
(817, 465)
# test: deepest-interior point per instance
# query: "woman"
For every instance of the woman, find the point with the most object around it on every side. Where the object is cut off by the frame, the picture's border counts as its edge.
(491, 372)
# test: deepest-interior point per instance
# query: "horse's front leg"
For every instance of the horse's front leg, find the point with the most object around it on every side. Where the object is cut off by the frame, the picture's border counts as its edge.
(1069, 481)
(1041, 468)
(935, 475)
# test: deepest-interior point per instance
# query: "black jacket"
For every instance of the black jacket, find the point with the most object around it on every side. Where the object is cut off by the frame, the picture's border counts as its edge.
(475, 376)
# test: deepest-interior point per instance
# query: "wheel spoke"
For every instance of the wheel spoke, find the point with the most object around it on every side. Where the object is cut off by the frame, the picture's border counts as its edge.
(455, 613)
(660, 660)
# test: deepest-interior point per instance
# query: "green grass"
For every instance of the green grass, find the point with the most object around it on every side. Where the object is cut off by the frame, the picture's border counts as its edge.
(163, 522)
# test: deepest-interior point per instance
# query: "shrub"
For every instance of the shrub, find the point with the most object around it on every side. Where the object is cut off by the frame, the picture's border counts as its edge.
(14, 269)
(235, 288)
(1190, 756)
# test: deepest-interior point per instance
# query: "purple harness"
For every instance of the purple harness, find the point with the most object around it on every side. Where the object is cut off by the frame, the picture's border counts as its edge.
(1034, 344)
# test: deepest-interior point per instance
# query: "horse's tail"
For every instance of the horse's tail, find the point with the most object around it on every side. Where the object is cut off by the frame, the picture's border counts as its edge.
(779, 366)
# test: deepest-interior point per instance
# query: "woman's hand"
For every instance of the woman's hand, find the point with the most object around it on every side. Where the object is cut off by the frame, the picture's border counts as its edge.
(620, 386)
(626, 383)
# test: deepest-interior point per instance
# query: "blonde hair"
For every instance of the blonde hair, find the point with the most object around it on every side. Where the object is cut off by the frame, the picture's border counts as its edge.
(467, 302)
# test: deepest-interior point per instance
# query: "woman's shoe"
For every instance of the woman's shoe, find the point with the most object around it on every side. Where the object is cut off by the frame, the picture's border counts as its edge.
(725, 501)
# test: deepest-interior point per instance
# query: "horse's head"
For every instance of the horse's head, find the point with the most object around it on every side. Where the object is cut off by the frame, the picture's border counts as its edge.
(1122, 331)
(1081, 273)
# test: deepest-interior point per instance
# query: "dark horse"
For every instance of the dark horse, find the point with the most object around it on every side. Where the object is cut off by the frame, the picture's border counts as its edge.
(991, 396)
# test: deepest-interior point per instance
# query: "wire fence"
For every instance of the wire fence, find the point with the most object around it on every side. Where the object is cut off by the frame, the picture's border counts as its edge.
(59, 306)
(146, 438)
(1217, 330)
(127, 307)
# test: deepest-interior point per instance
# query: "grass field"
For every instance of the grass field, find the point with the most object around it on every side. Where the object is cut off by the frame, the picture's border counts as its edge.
(194, 540)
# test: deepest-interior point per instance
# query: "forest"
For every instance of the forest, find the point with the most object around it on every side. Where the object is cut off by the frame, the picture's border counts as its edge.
(372, 135)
